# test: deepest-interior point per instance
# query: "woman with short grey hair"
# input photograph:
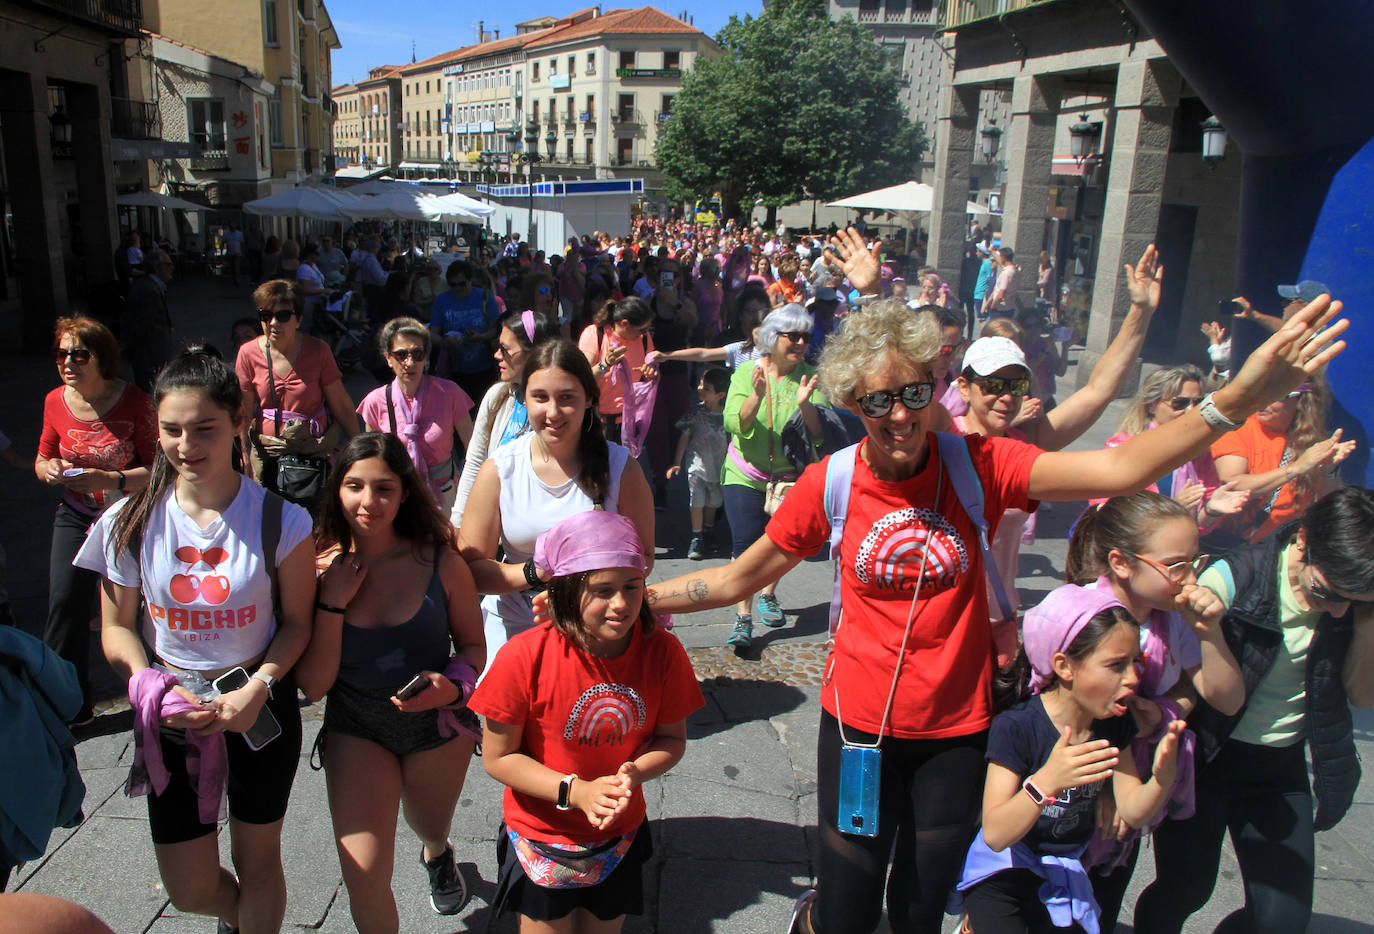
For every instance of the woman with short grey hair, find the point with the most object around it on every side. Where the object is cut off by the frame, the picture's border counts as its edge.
(764, 394)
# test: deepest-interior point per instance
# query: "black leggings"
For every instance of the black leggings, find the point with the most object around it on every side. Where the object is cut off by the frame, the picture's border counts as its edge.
(1009, 902)
(929, 801)
(1261, 795)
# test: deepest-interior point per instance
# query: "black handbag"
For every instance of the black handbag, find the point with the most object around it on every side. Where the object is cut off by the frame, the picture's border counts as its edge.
(299, 478)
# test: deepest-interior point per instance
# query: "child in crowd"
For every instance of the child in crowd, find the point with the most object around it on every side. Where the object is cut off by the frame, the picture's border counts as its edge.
(703, 443)
(192, 574)
(1143, 548)
(579, 713)
(1049, 757)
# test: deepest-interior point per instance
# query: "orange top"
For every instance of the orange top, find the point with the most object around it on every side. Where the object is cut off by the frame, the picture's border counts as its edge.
(1263, 452)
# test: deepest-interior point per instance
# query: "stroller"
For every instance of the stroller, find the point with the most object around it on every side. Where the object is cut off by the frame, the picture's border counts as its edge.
(344, 329)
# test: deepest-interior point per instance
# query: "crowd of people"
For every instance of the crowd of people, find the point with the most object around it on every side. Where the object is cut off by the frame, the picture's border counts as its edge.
(459, 561)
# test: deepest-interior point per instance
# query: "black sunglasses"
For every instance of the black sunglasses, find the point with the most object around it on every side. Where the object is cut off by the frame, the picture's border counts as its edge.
(1324, 593)
(1001, 385)
(80, 355)
(281, 315)
(915, 396)
(1179, 403)
(796, 337)
(405, 355)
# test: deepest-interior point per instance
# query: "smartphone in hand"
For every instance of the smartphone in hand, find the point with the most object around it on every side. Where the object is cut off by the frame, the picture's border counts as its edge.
(412, 687)
(266, 728)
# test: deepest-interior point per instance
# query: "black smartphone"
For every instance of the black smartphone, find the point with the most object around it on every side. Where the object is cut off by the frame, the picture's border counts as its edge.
(412, 687)
(1226, 308)
(266, 728)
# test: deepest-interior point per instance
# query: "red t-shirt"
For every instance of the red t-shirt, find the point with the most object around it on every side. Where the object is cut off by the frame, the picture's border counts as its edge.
(1263, 452)
(124, 437)
(301, 391)
(945, 686)
(585, 715)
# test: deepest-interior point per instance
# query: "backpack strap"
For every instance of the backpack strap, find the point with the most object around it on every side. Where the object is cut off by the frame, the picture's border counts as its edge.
(391, 409)
(954, 452)
(839, 477)
(271, 538)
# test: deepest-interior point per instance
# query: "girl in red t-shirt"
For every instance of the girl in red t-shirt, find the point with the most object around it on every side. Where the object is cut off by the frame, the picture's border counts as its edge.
(579, 713)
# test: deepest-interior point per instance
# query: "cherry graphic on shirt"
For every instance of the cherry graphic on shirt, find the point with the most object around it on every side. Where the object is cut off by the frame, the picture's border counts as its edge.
(193, 555)
(184, 588)
(214, 589)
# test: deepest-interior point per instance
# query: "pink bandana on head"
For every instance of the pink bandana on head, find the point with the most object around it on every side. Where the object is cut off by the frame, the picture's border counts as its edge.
(590, 541)
(1050, 627)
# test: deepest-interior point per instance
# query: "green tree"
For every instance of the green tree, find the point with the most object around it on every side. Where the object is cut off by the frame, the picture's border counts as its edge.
(796, 106)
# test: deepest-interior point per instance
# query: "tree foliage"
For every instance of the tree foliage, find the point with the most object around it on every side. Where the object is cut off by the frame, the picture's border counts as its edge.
(796, 106)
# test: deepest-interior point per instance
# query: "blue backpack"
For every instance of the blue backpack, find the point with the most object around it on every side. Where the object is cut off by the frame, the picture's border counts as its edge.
(839, 476)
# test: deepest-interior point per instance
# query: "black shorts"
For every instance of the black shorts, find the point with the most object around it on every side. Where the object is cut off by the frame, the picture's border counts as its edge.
(369, 714)
(259, 783)
(620, 893)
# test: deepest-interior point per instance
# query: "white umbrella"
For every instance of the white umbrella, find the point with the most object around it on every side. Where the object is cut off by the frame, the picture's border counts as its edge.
(153, 199)
(313, 203)
(395, 205)
(456, 207)
(916, 197)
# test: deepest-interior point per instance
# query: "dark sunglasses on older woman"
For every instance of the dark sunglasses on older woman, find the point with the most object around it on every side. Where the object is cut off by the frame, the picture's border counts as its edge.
(281, 315)
(915, 396)
(406, 354)
(796, 337)
(80, 355)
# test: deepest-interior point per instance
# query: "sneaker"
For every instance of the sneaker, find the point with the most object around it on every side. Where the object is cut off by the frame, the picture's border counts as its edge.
(770, 611)
(802, 907)
(694, 550)
(742, 636)
(448, 890)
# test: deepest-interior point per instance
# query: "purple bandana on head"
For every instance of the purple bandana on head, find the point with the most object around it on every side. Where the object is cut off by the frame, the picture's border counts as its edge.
(1056, 622)
(589, 541)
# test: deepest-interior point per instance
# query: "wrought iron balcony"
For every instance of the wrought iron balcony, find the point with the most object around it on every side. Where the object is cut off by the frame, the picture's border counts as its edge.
(123, 17)
(131, 119)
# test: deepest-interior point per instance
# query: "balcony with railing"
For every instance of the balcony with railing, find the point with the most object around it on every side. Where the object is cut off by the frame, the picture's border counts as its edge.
(962, 12)
(131, 119)
(211, 160)
(626, 118)
(123, 17)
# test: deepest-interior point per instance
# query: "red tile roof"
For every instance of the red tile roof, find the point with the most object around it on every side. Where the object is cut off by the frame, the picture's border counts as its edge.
(645, 20)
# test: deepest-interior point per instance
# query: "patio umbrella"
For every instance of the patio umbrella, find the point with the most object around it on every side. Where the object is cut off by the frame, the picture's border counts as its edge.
(300, 202)
(459, 208)
(916, 197)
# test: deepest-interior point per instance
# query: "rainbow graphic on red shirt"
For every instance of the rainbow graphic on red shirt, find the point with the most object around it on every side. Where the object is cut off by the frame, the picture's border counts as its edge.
(605, 713)
(891, 553)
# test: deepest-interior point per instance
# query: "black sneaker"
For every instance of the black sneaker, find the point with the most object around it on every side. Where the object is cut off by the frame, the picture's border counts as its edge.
(695, 550)
(448, 890)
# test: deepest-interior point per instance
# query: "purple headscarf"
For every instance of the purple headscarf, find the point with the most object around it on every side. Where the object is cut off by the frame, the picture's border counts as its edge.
(1050, 627)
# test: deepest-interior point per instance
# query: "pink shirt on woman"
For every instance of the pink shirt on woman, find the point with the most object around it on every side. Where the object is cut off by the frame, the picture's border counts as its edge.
(300, 391)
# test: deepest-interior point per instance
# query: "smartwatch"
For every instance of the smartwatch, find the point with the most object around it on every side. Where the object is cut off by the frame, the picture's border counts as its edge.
(565, 793)
(266, 679)
(1212, 415)
(1041, 799)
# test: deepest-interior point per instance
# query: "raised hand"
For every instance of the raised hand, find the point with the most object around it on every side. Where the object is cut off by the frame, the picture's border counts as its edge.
(1214, 332)
(860, 265)
(1190, 497)
(1306, 343)
(1226, 500)
(1165, 768)
(1145, 279)
(805, 387)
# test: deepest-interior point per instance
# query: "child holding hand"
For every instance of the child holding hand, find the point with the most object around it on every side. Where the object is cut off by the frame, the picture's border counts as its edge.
(580, 712)
(1049, 756)
(703, 443)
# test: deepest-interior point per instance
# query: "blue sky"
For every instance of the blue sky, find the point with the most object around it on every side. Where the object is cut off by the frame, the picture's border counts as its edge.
(376, 33)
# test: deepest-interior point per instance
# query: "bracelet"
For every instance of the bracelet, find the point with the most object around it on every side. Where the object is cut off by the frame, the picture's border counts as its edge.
(328, 608)
(532, 577)
(122, 479)
(1212, 415)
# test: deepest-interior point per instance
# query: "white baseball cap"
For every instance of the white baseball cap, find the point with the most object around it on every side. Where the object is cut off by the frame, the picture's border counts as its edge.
(987, 355)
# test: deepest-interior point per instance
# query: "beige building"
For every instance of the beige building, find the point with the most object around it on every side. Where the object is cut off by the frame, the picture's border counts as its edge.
(483, 89)
(598, 89)
(367, 128)
(286, 44)
(423, 107)
(348, 126)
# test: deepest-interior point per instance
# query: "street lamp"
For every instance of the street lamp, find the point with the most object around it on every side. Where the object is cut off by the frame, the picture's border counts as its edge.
(1081, 136)
(990, 136)
(1213, 142)
(531, 156)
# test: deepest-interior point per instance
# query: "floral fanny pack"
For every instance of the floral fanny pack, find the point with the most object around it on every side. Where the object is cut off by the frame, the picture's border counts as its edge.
(569, 865)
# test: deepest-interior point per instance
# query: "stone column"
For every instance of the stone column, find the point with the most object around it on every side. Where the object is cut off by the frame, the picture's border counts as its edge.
(29, 163)
(1142, 121)
(955, 140)
(89, 105)
(1028, 154)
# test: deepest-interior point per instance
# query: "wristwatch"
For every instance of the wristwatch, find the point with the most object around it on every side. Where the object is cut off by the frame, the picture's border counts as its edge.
(565, 793)
(266, 679)
(1041, 799)
(1212, 415)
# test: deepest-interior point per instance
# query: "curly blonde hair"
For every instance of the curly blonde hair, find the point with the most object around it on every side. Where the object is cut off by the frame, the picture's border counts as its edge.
(867, 335)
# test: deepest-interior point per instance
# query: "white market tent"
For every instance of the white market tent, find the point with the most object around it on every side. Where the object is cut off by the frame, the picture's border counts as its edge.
(457, 206)
(916, 197)
(314, 203)
(406, 203)
(153, 199)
